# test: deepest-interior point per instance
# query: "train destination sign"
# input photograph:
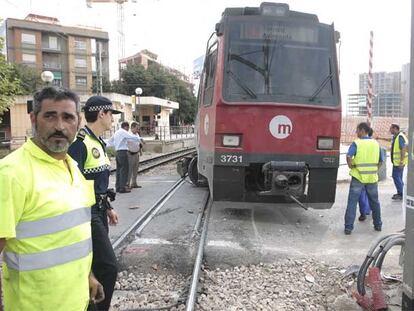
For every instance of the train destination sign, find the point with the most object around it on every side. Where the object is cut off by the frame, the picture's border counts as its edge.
(279, 31)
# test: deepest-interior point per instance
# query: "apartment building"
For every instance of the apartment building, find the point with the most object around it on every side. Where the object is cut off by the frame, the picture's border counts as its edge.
(75, 55)
(146, 58)
(356, 105)
(387, 90)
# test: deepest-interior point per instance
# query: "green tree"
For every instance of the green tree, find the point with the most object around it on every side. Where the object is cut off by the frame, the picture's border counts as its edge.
(9, 84)
(106, 85)
(29, 78)
(157, 81)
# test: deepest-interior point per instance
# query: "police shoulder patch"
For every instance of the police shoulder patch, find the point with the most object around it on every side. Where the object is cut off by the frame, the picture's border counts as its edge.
(95, 153)
(81, 134)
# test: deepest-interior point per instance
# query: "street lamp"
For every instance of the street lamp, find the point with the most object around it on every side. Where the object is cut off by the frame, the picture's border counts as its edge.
(138, 91)
(47, 77)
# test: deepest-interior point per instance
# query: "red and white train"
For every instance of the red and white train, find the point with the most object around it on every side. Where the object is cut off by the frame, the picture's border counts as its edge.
(269, 109)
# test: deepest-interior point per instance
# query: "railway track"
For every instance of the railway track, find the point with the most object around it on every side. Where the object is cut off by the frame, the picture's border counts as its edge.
(146, 165)
(197, 240)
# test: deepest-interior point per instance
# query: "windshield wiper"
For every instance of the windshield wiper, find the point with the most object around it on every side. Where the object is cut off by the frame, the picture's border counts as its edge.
(247, 63)
(324, 82)
(241, 84)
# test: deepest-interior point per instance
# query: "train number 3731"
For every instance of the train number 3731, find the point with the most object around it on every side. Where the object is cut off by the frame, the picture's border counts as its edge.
(231, 158)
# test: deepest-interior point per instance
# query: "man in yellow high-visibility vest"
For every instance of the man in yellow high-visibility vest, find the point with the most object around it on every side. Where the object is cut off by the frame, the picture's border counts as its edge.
(399, 159)
(45, 227)
(364, 157)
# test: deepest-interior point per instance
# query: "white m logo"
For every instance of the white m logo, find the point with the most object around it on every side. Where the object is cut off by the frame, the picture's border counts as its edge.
(280, 127)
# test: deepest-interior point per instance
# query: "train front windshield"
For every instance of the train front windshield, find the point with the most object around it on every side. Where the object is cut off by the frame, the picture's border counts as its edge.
(280, 61)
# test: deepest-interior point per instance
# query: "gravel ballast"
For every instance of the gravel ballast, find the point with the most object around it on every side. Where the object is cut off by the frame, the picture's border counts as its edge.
(290, 284)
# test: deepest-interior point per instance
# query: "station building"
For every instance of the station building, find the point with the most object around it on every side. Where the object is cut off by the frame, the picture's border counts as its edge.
(153, 113)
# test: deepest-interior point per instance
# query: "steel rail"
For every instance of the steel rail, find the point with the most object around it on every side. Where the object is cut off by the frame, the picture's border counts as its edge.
(149, 214)
(192, 295)
(168, 157)
(166, 160)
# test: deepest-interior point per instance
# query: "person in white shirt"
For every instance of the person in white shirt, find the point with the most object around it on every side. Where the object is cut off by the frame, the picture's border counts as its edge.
(120, 142)
(134, 150)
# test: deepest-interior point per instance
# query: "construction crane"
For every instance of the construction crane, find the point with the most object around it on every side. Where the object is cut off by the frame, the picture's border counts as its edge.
(120, 22)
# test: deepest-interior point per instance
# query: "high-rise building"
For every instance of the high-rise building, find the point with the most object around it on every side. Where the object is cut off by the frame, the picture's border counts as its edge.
(387, 99)
(405, 88)
(76, 56)
(356, 105)
(382, 82)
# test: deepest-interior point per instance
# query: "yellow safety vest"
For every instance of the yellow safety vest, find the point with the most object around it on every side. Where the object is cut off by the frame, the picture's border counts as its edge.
(396, 152)
(366, 161)
(96, 160)
(45, 218)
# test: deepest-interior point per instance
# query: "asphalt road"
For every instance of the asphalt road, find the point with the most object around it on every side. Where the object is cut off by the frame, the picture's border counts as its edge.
(252, 233)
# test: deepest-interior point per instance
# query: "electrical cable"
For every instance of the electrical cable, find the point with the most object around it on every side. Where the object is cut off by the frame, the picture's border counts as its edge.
(376, 255)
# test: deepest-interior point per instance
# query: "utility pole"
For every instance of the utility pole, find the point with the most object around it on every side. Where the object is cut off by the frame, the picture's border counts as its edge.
(408, 275)
(99, 71)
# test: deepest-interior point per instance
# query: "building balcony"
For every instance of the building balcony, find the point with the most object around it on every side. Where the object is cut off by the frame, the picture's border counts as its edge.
(51, 49)
(52, 66)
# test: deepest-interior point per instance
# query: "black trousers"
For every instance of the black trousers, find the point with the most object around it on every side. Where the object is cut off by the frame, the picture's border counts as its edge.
(121, 169)
(104, 265)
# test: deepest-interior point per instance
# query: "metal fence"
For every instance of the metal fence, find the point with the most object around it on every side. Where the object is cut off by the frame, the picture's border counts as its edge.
(167, 132)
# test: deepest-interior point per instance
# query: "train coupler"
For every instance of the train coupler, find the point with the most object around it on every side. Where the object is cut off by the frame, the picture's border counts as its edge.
(284, 178)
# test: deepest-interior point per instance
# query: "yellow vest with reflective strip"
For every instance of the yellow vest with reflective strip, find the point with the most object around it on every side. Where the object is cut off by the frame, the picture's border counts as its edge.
(366, 161)
(396, 152)
(47, 264)
(96, 160)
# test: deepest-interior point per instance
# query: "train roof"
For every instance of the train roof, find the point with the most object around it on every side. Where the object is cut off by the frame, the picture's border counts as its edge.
(270, 9)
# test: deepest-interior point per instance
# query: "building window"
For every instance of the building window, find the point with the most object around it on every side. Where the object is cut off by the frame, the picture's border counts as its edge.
(28, 58)
(80, 62)
(28, 38)
(81, 81)
(80, 44)
(53, 43)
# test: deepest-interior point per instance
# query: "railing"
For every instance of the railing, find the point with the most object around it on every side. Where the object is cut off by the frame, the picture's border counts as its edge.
(167, 132)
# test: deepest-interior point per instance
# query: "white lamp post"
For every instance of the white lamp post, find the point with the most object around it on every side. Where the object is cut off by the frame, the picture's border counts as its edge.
(138, 92)
(47, 77)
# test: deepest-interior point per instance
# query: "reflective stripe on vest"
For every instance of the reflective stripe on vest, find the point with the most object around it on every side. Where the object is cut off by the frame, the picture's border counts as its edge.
(48, 259)
(396, 152)
(97, 160)
(366, 161)
(73, 218)
(97, 169)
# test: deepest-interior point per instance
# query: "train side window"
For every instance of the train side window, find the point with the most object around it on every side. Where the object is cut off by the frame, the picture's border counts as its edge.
(209, 75)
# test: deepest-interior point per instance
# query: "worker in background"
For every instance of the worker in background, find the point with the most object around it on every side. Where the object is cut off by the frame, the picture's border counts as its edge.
(364, 157)
(399, 158)
(45, 214)
(120, 142)
(89, 151)
(134, 150)
(364, 209)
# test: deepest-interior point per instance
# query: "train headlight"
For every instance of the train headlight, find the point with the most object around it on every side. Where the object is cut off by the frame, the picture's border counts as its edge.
(325, 143)
(231, 140)
(274, 9)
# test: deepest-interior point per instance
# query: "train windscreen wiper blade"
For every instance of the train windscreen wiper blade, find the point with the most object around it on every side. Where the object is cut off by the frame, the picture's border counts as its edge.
(241, 84)
(324, 82)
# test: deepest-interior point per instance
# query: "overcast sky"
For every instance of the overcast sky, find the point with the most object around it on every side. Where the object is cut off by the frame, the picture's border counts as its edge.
(177, 30)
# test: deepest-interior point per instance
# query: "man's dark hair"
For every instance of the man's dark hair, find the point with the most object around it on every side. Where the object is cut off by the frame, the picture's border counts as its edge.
(364, 126)
(370, 132)
(92, 116)
(125, 124)
(55, 94)
(396, 126)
